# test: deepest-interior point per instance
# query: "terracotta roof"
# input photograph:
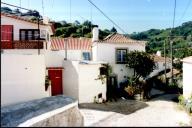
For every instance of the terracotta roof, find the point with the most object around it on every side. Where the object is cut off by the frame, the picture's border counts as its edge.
(160, 58)
(58, 43)
(119, 38)
(20, 18)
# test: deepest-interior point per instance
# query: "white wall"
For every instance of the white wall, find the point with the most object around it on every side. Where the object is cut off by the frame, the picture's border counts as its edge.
(88, 86)
(106, 52)
(79, 81)
(71, 78)
(55, 58)
(187, 80)
(160, 67)
(22, 78)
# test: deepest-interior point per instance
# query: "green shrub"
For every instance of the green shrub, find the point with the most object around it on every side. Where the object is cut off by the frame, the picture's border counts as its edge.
(181, 100)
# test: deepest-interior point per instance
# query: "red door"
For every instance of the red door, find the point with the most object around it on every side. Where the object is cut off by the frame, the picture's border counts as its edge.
(56, 81)
(6, 36)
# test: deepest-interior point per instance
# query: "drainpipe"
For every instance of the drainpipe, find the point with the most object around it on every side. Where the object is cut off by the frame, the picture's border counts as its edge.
(38, 36)
(65, 40)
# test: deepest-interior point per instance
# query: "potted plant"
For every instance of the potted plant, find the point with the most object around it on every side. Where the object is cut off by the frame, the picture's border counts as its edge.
(47, 82)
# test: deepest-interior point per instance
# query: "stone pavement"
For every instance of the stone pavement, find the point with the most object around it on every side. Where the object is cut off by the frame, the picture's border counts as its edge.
(160, 111)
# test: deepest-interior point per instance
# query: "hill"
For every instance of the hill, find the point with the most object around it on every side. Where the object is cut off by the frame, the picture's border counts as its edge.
(182, 40)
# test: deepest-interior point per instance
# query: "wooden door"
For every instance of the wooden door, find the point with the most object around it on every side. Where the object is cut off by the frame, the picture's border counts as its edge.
(56, 81)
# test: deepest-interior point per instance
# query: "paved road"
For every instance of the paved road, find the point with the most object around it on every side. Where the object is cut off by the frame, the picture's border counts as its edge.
(161, 111)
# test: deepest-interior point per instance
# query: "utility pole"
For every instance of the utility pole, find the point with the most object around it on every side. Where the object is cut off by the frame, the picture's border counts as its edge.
(171, 41)
(171, 50)
(65, 40)
(165, 62)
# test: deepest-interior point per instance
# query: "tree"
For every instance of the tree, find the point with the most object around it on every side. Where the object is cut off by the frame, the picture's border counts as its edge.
(114, 30)
(141, 62)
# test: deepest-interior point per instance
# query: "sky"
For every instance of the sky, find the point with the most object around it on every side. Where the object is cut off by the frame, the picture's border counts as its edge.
(130, 15)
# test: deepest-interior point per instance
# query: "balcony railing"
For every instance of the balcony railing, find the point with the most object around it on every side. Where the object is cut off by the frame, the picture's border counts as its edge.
(22, 44)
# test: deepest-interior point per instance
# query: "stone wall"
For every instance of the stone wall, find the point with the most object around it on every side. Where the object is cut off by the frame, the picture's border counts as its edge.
(46, 112)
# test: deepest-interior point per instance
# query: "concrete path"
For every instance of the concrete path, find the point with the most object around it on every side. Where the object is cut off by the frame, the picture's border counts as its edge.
(161, 111)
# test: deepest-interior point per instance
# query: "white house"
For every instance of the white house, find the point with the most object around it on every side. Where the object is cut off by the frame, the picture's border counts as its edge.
(69, 49)
(160, 63)
(187, 77)
(113, 50)
(20, 35)
(72, 56)
(23, 70)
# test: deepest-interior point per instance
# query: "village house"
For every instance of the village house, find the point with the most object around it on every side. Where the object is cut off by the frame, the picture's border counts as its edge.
(161, 63)
(22, 59)
(20, 35)
(113, 50)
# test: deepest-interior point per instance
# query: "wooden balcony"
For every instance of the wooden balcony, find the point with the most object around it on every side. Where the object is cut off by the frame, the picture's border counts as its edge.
(32, 44)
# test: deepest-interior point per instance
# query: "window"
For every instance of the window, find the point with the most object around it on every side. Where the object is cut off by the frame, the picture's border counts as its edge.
(29, 34)
(86, 56)
(121, 56)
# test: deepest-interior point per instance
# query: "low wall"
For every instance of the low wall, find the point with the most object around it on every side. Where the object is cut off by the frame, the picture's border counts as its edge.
(22, 78)
(55, 111)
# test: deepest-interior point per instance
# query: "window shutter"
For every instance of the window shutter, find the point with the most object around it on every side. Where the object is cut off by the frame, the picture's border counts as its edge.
(6, 32)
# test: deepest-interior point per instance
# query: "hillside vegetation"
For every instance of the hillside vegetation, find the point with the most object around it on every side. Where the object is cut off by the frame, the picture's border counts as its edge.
(182, 40)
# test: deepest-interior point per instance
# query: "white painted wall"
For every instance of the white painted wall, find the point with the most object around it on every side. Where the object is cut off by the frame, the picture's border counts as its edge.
(160, 67)
(187, 80)
(88, 86)
(71, 78)
(106, 52)
(22, 78)
(79, 81)
(55, 58)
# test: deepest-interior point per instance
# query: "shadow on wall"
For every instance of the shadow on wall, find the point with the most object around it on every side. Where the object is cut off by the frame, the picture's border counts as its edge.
(121, 106)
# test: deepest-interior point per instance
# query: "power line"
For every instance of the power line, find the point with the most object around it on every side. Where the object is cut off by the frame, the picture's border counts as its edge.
(16, 6)
(43, 7)
(20, 3)
(183, 14)
(107, 16)
(70, 9)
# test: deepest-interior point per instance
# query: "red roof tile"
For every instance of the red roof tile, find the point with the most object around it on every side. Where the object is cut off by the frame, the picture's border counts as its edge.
(119, 38)
(72, 43)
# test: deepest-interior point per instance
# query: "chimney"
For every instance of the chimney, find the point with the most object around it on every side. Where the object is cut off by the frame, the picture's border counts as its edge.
(95, 33)
(158, 53)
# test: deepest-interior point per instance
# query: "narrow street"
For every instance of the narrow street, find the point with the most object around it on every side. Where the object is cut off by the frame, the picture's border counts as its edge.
(160, 111)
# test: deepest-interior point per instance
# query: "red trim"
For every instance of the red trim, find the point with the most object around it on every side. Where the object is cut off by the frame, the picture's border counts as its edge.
(55, 68)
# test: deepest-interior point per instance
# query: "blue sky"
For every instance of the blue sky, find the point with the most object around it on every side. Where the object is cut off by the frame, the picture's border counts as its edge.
(131, 15)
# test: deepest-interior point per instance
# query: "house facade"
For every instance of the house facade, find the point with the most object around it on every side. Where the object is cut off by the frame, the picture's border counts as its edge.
(161, 63)
(69, 49)
(20, 35)
(113, 50)
(23, 61)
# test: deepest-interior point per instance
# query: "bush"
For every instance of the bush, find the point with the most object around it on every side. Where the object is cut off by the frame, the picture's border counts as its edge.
(186, 103)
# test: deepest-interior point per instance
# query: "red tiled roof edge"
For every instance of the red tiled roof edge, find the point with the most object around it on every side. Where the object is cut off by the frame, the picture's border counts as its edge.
(119, 38)
(58, 43)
